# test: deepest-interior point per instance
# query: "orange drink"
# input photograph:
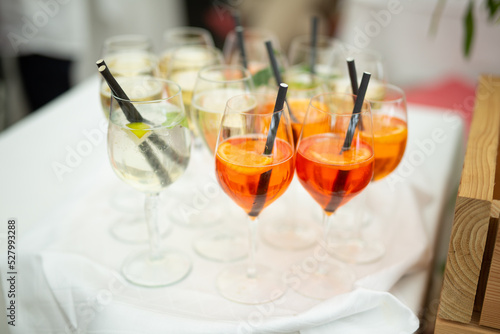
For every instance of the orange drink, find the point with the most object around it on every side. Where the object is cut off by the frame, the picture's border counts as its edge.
(240, 165)
(333, 178)
(389, 140)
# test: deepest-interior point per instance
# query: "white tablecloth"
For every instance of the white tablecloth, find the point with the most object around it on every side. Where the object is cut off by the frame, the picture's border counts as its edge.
(58, 183)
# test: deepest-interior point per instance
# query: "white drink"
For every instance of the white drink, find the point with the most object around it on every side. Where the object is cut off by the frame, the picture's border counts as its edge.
(149, 158)
(207, 109)
(132, 63)
(149, 91)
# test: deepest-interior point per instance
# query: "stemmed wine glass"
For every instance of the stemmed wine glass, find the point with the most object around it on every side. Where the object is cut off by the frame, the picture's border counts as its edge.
(334, 163)
(185, 63)
(296, 232)
(149, 149)
(127, 56)
(214, 86)
(390, 133)
(301, 54)
(254, 166)
(255, 51)
(182, 36)
(366, 60)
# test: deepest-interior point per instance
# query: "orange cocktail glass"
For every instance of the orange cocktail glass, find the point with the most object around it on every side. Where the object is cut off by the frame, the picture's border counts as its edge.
(390, 129)
(333, 173)
(389, 137)
(253, 171)
(390, 133)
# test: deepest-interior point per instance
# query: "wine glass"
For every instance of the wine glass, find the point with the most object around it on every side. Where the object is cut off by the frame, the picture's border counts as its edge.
(184, 65)
(390, 133)
(253, 174)
(127, 56)
(302, 56)
(334, 163)
(366, 61)
(255, 51)
(181, 36)
(149, 155)
(295, 232)
(214, 86)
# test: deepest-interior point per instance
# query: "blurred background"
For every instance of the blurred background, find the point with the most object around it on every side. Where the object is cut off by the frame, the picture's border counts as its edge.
(48, 46)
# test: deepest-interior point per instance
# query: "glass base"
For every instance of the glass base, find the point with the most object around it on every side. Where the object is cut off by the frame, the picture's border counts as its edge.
(293, 235)
(171, 267)
(234, 284)
(329, 280)
(222, 246)
(135, 231)
(357, 251)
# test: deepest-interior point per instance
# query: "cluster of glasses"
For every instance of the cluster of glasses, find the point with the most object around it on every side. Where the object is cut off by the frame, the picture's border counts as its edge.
(193, 92)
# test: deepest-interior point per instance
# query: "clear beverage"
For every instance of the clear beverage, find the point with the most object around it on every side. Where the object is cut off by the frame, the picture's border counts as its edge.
(147, 92)
(129, 148)
(207, 109)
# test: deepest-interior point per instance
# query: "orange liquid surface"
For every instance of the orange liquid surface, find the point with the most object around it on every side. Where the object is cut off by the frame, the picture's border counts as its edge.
(242, 171)
(389, 140)
(333, 179)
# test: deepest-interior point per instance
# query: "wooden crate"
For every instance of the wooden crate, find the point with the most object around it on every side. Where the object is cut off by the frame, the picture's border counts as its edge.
(470, 296)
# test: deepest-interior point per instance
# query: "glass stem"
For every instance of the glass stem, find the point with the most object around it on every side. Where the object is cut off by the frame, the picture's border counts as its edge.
(323, 267)
(252, 242)
(151, 211)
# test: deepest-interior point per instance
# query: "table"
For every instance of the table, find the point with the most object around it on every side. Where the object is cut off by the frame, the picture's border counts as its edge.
(54, 166)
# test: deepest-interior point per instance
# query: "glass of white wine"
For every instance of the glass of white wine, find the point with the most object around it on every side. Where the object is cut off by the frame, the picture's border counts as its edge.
(184, 66)
(127, 56)
(181, 36)
(149, 148)
(256, 53)
(214, 86)
(366, 61)
(302, 56)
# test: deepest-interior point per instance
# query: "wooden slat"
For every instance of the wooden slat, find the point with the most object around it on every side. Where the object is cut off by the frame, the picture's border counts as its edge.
(450, 327)
(490, 313)
(463, 264)
(478, 174)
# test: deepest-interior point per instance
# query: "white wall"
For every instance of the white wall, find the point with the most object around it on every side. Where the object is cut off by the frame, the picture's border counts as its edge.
(412, 55)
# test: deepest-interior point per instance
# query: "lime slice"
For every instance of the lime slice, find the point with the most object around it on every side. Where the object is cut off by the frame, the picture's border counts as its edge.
(138, 128)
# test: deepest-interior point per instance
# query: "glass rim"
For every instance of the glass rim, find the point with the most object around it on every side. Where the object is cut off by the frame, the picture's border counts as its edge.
(345, 96)
(197, 31)
(217, 67)
(254, 95)
(146, 40)
(206, 48)
(400, 97)
(142, 79)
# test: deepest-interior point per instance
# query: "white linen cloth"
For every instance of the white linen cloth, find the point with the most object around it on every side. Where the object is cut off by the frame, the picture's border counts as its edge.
(69, 279)
(80, 265)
